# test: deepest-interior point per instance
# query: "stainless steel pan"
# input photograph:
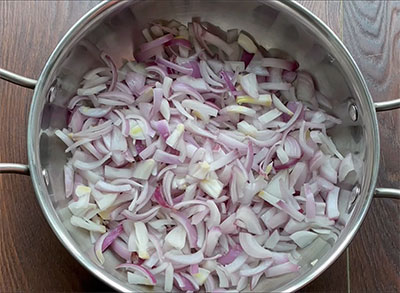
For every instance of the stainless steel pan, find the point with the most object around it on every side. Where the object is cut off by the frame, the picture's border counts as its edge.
(287, 25)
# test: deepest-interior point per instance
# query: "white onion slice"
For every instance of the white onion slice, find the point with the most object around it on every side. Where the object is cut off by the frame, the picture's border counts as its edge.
(332, 210)
(252, 247)
(303, 238)
(247, 44)
(249, 218)
(212, 240)
(249, 84)
(263, 266)
(87, 224)
(269, 116)
(237, 263)
(176, 238)
(187, 259)
(143, 169)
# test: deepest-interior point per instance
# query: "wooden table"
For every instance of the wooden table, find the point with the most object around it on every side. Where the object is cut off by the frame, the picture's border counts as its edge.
(31, 257)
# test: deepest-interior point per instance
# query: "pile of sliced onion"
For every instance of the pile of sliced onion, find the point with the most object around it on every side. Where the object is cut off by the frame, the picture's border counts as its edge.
(205, 161)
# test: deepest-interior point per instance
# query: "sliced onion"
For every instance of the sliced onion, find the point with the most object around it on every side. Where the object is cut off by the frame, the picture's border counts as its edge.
(305, 87)
(212, 240)
(237, 263)
(228, 226)
(190, 230)
(249, 218)
(87, 224)
(282, 269)
(332, 210)
(249, 84)
(279, 105)
(184, 88)
(183, 283)
(233, 253)
(156, 43)
(205, 73)
(91, 91)
(238, 110)
(262, 267)
(188, 259)
(169, 278)
(115, 96)
(174, 66)
(140, 217)
(310, 202)
(269, 116)
(68, 180)
(303, 238)
(105, 241)
(222, 276)
(272, 240)
(119, 247)
(143, 169)
(94, 112)
(198, 106)
(176, 237)
(250, 245)
(247, 44)
(216, 41)
(145, 272)
(223, 161)
(215, 215)
(227, 80)
(169, 154)
(91, 165)
(180, 42)
(164, 157)
(107, 187)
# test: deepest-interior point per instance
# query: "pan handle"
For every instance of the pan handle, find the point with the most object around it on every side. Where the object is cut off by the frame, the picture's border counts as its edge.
(387, 105)
(387, 193)
(17, 79)
(9, 168)
(381, 192)
(28, 83)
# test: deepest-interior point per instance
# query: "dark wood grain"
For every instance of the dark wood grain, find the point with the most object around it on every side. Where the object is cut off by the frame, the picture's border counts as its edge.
(372, 34)
(31, 257)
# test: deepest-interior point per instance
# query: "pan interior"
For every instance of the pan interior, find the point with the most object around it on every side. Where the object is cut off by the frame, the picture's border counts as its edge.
(116, 29)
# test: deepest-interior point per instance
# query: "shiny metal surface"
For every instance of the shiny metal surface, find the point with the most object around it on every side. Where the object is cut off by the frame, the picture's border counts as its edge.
(9, 168)
(387, 105)
(17, 79)
(275, 24)
(387, 193)
(381, 192)
(111, 25)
